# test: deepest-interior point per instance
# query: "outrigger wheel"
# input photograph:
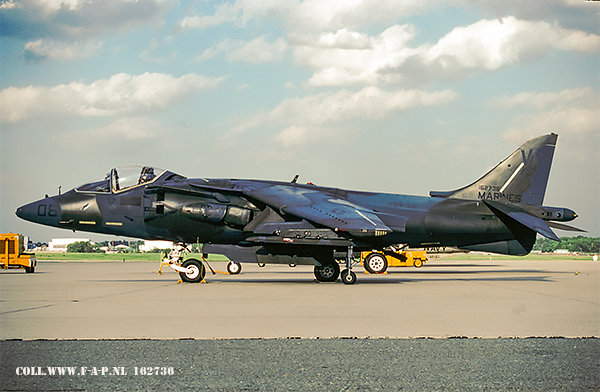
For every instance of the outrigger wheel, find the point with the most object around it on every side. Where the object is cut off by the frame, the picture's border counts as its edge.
(196, 271)
(327, 272)
(234, 268)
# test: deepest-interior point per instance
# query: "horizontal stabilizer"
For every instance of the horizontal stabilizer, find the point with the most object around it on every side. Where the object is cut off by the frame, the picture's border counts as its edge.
(516, 213)
(535, 224)
(562, 226)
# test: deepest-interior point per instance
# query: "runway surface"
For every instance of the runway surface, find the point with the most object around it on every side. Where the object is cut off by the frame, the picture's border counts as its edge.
(91, 300)
(239, 333)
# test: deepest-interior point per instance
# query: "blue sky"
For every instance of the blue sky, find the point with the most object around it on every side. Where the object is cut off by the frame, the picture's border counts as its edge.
(400, 97)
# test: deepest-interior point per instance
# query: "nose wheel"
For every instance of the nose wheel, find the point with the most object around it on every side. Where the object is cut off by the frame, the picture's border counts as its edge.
(348, 277)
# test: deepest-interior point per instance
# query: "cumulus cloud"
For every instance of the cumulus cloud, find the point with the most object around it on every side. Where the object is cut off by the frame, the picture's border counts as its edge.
(122, 94)
(346, 58)
(573, 114)
(43, 49)
(491, 44)
(325, 36)
(310, 116)
(576, 96)
(138, 130)
(577, 14)
(309, 15)
(77, 19)
(256, 51)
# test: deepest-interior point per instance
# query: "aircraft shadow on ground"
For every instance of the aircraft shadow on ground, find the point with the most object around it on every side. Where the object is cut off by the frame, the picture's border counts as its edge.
(381, 280)
(393, 276)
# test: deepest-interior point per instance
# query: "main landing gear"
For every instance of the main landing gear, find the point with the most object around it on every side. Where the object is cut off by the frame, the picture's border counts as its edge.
(330, 272)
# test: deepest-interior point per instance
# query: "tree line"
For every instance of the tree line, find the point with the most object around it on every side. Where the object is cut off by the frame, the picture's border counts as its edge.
(579, 244)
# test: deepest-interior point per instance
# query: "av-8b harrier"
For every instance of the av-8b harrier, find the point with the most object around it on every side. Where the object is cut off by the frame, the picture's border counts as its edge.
(289, 223)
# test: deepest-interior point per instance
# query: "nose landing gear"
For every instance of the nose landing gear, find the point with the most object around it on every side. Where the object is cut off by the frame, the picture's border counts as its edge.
(330, 272)
(349, 277)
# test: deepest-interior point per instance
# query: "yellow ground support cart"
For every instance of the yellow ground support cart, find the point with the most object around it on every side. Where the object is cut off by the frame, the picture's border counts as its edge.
(12, 253)
(378, 262)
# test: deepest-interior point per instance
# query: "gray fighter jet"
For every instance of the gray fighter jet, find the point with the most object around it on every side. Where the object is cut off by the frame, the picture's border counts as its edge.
(289, 223)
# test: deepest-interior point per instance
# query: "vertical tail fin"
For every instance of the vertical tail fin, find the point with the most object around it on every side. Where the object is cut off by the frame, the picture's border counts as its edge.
(520, 178)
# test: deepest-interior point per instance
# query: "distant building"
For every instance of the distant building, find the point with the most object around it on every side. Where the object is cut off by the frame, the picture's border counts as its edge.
(561, 251)
(150, 245)
(61, 244)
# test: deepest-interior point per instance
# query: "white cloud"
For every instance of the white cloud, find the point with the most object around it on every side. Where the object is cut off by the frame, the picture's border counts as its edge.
(121, 94)
(309, 15)
(579, 14)
(491, 44)
(317, 114)
(573, 114)
(8, 5)
(136, 138)
(134, 129)
(574, 122)
(79, 19)
(345, 58)
(256, 51)
(50, 49)
(545, 100)
(325, 36)
(259, 51)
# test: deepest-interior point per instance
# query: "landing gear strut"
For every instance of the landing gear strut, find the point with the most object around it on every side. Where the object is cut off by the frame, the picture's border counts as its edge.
(349, 277)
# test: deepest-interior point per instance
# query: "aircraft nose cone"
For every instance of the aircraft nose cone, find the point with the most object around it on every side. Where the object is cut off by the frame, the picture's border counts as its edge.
(28, 211)
(45, 211)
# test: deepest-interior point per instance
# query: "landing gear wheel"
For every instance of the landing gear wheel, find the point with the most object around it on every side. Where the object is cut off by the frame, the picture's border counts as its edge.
(376, 263)
(261, 265)
(234, 268)
(196, 271)
(29, 270)
(348, 277)
(327, 272)
(418, 263)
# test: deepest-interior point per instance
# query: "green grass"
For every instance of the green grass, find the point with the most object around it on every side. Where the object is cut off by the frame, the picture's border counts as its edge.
(531, 256)
(57, 256)
(68, 256)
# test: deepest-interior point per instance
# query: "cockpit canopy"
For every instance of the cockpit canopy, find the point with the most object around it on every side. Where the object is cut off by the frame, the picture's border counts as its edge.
(121, 178)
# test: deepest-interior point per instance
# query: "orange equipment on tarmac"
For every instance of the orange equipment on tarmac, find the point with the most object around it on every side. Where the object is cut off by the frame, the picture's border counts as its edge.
(378, 262)
(12, 253)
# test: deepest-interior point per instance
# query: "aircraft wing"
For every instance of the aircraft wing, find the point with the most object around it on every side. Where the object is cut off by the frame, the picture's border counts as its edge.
(320, 207)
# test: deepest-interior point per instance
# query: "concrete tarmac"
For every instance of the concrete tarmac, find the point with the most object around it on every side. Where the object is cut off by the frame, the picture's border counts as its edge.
(127, 300)
(120, 326)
